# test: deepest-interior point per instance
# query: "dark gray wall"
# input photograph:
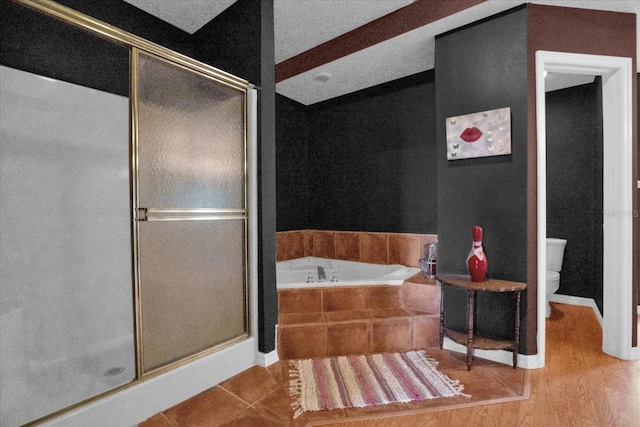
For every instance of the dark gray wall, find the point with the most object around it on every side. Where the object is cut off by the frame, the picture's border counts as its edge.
(293, 197)
(232, 40)
(267, 292)
(483, 67)
(574, 186)
(33, 42)
(369, 163)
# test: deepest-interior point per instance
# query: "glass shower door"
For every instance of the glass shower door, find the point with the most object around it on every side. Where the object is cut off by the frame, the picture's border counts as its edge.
(191, 212)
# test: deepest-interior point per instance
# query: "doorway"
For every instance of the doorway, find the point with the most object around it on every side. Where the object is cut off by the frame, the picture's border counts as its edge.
(574, 188)
(618, 187)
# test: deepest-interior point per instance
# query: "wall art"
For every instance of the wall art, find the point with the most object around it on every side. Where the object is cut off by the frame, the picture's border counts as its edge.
(483, 134)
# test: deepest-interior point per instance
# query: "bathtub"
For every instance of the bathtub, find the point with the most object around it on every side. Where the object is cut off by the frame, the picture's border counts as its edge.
(303, 273)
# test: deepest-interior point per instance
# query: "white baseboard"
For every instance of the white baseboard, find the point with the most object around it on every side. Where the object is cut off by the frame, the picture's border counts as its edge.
(582, 301)
(267, 359)
(524, 361)
(499, 356)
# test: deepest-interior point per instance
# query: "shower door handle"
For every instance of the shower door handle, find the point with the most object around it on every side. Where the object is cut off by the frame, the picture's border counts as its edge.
(156, 214)
(141, 214)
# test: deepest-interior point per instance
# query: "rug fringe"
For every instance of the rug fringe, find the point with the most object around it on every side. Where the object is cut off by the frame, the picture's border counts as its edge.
(295, 388)
(431, 360)
(455, 384)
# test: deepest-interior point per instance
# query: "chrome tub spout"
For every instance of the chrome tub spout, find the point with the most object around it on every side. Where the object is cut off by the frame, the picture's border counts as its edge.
(321, 276)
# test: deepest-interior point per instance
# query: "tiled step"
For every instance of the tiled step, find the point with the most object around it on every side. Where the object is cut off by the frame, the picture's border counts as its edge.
(320, 322)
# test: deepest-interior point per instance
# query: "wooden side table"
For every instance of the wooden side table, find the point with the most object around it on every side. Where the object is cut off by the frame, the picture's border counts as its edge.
(468, 339)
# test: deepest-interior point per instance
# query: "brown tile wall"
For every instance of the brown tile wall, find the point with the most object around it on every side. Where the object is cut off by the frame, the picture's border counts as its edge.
(378, 248)
(319, 322)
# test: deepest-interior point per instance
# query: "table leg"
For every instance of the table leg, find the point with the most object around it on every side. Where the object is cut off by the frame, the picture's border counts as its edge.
(470, 313)
(441, 315)
(517, 331)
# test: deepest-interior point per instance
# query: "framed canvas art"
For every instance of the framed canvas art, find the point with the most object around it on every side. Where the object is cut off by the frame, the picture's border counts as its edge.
(483, 134)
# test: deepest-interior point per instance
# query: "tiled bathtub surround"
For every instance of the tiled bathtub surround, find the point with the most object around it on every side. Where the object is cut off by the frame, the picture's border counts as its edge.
(319, 322)
(378, 248)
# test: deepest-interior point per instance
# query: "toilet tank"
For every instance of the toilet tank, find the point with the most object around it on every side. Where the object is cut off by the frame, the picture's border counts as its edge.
(555, 253)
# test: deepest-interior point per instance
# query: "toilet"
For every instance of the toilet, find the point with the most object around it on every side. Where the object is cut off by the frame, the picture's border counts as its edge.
(555, 254)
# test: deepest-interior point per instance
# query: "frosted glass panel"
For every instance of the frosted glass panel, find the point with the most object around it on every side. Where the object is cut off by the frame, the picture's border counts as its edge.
(65, 262)
(191, 241)
(191, 139)
(193, 293)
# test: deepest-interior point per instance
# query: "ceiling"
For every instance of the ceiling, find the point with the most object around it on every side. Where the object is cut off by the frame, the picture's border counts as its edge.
(328, 48)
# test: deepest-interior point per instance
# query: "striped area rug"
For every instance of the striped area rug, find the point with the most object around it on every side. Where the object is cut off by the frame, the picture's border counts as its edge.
(360, 381)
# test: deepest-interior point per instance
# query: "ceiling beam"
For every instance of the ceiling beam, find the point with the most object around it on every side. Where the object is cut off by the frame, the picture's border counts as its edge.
(410, 17)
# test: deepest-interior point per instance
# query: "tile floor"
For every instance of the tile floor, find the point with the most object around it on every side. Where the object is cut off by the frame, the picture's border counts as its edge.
(259, 397)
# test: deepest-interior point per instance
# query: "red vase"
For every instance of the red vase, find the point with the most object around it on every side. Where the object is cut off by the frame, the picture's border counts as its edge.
(477, 260)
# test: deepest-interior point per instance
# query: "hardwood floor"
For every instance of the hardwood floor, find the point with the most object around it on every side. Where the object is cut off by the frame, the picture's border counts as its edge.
(580, 386)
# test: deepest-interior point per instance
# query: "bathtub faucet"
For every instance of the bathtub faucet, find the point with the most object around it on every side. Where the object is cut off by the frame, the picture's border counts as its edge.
(321, 276)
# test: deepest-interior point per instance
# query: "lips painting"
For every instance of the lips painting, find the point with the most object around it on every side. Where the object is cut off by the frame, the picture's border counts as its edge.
(483, 134)
(471, 134)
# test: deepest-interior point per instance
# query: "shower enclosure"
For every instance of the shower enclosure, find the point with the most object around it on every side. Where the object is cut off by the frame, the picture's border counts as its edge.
(125, 233)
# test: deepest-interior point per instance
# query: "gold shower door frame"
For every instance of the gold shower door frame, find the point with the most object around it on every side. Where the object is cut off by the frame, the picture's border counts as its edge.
(192, 223)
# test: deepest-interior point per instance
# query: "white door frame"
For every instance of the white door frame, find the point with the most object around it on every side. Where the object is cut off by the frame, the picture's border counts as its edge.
(618, 188)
